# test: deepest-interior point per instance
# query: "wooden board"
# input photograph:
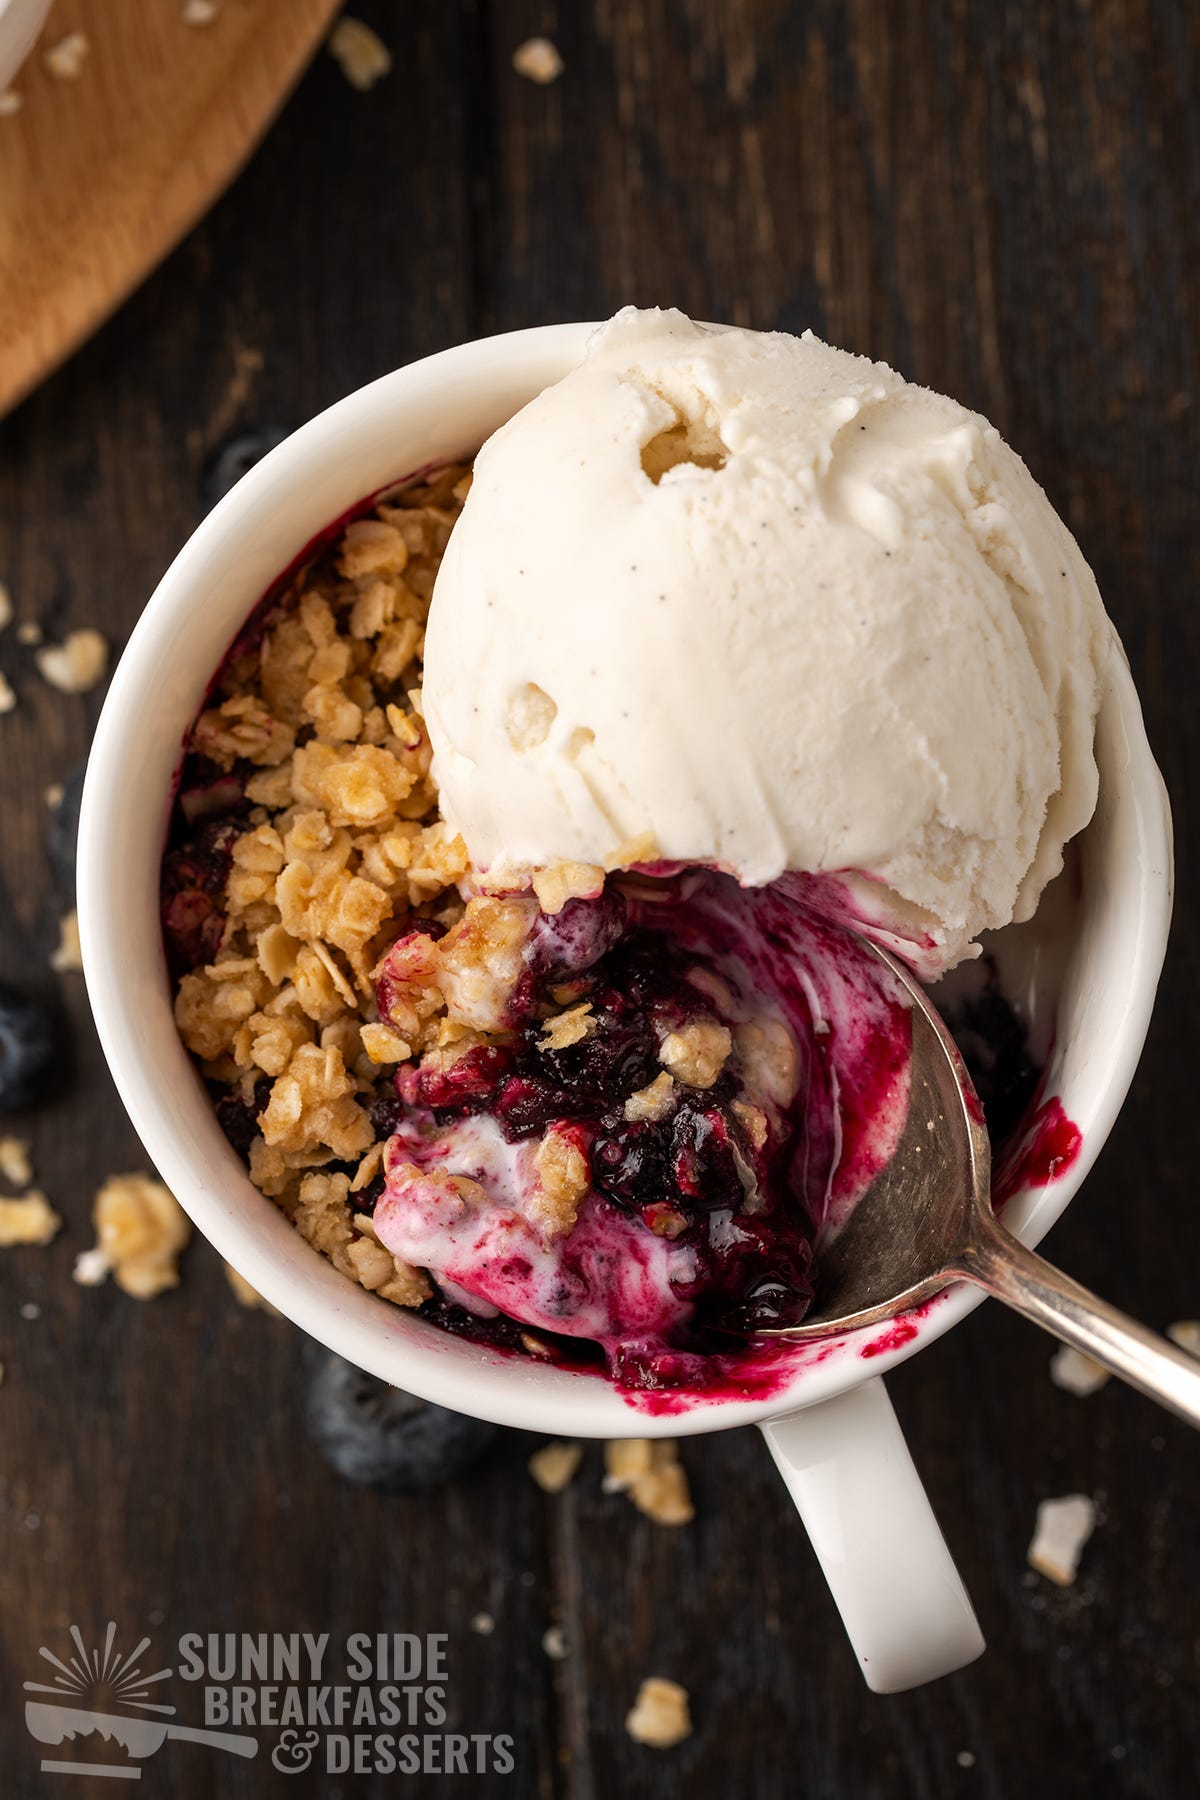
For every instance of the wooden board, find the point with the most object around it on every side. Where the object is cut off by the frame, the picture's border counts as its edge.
(100, 176)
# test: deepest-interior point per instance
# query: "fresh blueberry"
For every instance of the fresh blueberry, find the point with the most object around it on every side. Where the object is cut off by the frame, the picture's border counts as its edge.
(64, 830)
(232, 460)
(379, 1436)
(26, 1044)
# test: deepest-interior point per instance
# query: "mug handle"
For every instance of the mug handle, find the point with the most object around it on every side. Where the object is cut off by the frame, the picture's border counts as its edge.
(902, 1601)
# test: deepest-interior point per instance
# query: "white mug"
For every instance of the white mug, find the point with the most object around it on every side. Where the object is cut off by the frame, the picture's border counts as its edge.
(831, 1430)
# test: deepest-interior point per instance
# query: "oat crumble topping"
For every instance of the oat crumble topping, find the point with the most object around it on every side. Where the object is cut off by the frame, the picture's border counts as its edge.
(8, 698)
(338, 849)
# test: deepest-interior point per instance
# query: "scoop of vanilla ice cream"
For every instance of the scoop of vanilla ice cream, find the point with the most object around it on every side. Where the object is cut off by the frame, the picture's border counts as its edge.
(742, 598)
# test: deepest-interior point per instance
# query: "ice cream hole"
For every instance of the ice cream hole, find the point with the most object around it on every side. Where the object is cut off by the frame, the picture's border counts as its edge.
(689, 441)
(528, 717)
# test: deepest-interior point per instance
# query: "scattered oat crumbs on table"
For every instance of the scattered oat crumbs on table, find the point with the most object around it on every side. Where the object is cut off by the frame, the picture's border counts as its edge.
(141, 1231)
(8, 698)
(1063, 1528)
(68, 958)
(77, 664)
(660, 1716)
(65, 59)
(248, 1296)
(29, 1220)
(16, 1166)
(199, 12)
(538, 60)
(1076, 1373)
(482, 1624)
(553, 1467)
(650, 1472)
(554, 1643)
(360, 53)
(1186, 1333)
(29, 632)
(10, 103)
(6, 605)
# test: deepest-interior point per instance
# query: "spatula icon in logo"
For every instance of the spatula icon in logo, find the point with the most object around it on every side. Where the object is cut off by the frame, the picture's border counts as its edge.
(91, 1675)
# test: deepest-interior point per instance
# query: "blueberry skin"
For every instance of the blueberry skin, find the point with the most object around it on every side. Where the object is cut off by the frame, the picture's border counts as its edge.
(378, 1436)
(64, 831)
(26, 1046)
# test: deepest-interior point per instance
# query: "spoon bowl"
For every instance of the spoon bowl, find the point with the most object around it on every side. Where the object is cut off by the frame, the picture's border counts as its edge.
(927, 1221)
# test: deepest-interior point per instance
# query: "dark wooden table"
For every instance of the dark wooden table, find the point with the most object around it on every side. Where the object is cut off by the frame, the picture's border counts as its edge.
(1004, 201)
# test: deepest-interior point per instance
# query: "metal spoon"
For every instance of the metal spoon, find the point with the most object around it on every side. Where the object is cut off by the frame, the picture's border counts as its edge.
(928, 1221)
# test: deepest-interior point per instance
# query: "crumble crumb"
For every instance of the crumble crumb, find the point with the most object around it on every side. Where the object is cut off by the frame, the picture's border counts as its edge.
(360, 53)
(1076, 1373)
(77, 664)
(965, 1759)
(554, 1643)
(68, 958)
(1186, 1333)
(383, 1045)
(482, 1624)
(53, 795)
(199, 12)
(634, 851)
(650, 1472)
(29, 632)
(29, 1220)
(564, 881)
(15, 1164)
(31, 1310)
(8, 698)
(1063, 1528)
(567, 1028)
(696, 1054)
(538, 60)
(141, 1231)
(553, 1467)
(10, 103)
(651, 1103)
(563, 1179)
(64, 60)
(660, 1716)
(245, 1295)
(6, 605)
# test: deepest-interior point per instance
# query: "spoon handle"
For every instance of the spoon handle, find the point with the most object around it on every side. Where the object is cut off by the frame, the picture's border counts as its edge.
(997, 1261)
